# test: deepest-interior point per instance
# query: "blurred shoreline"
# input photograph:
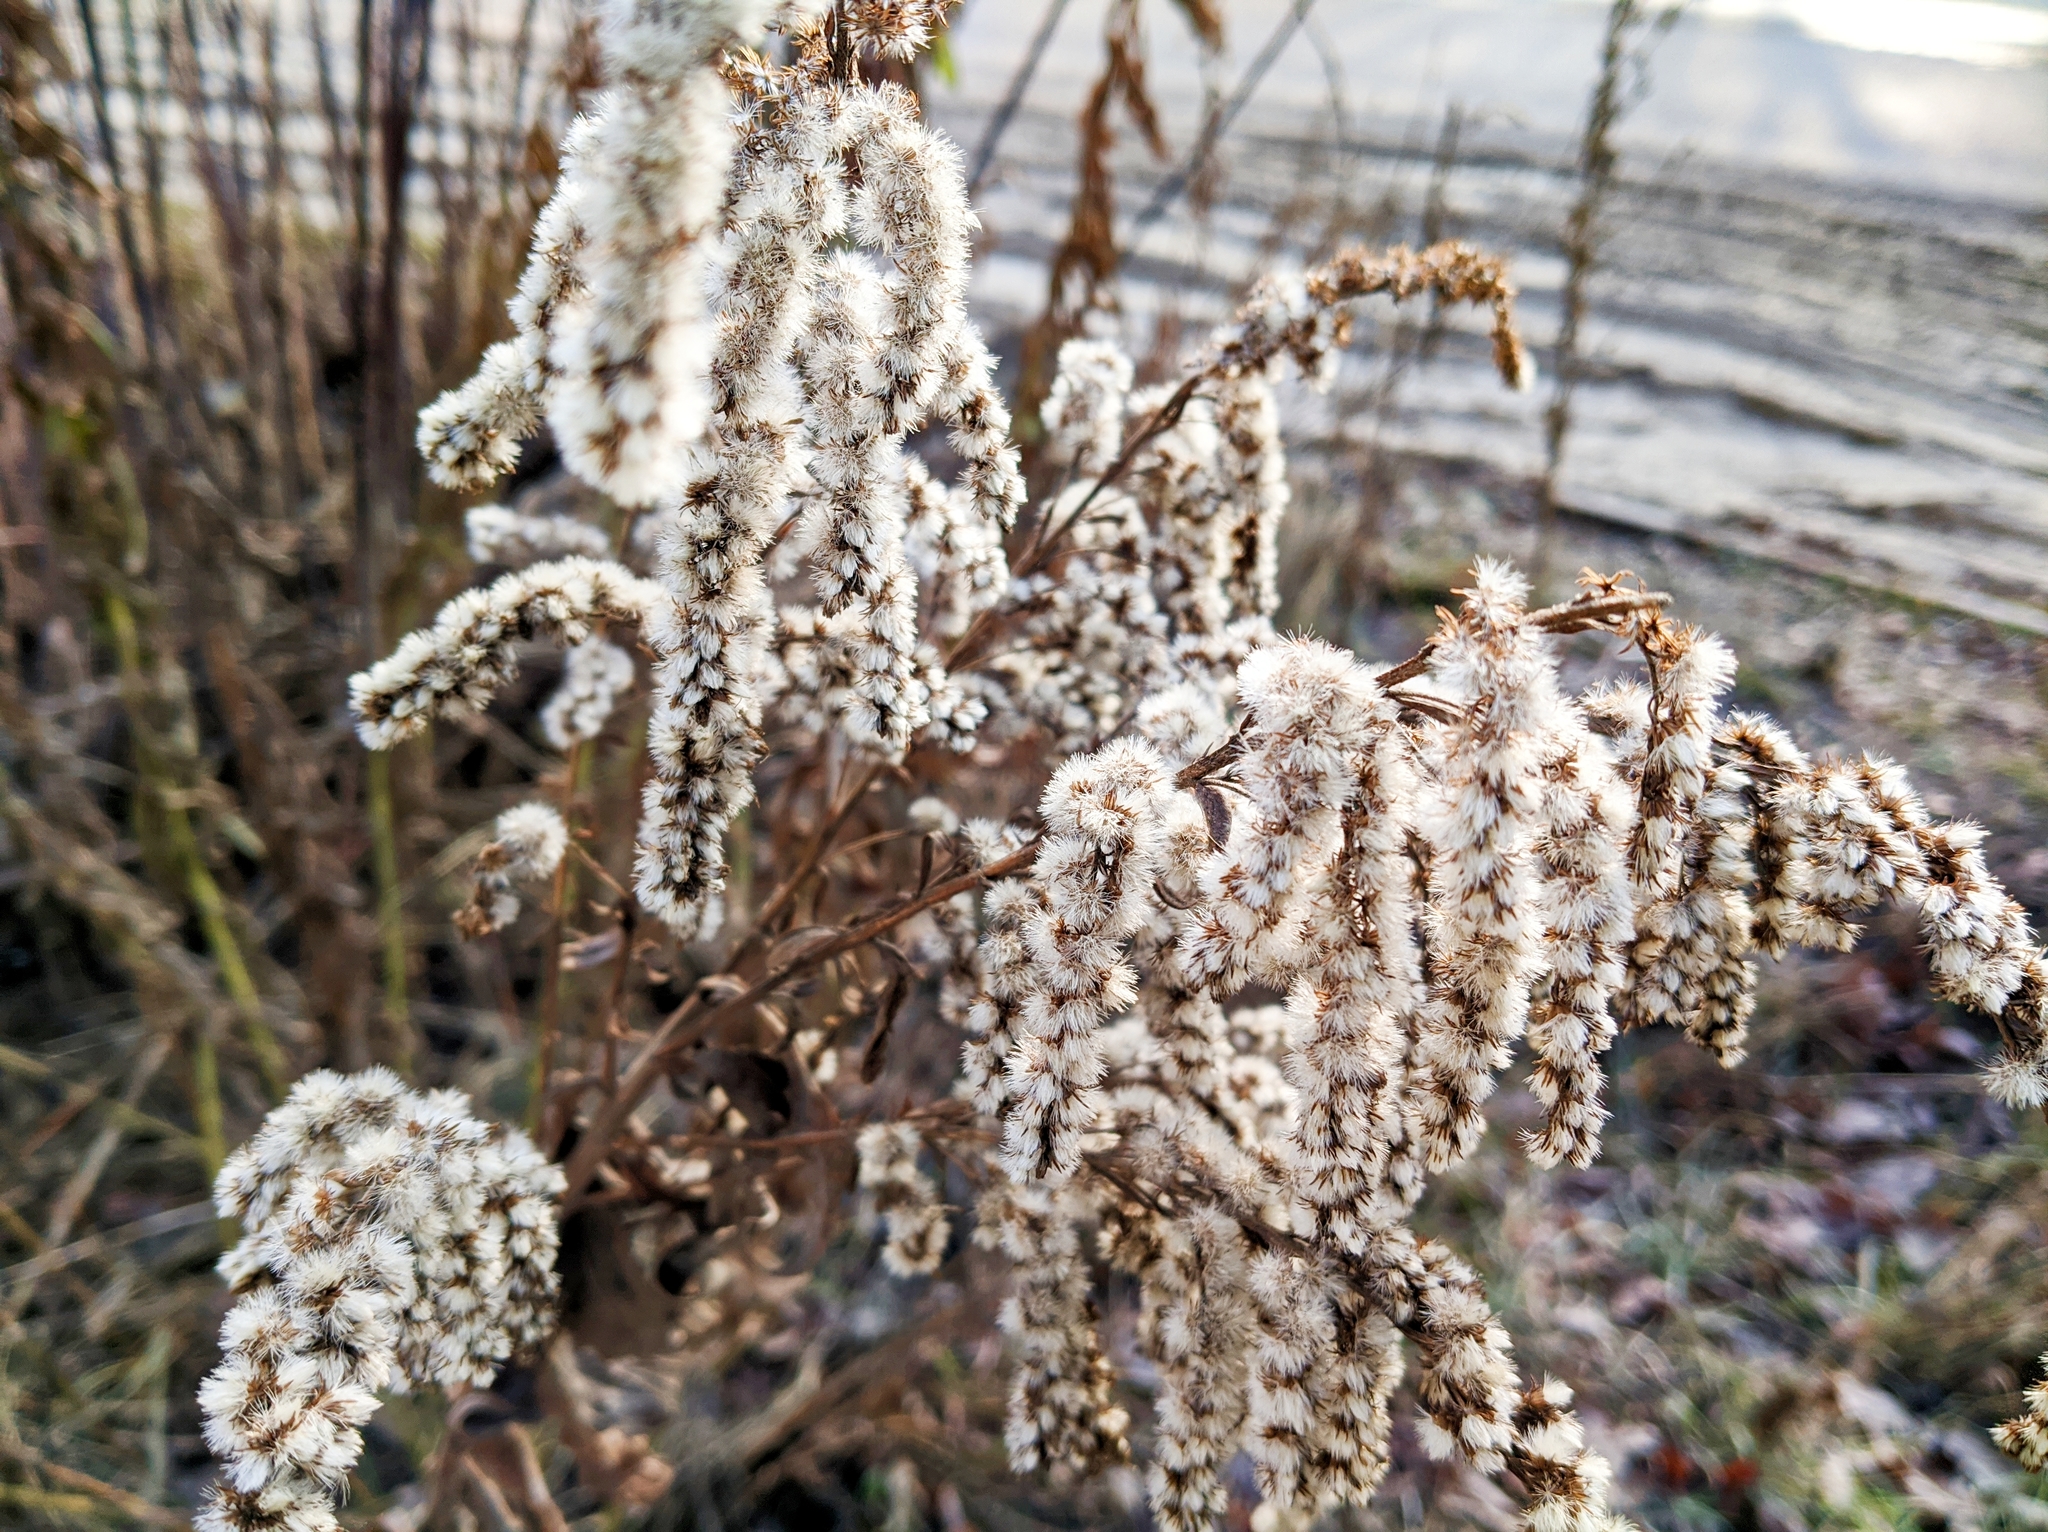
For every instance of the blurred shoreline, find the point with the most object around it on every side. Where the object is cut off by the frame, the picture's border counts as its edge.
(1824, 350)
(1763, 82)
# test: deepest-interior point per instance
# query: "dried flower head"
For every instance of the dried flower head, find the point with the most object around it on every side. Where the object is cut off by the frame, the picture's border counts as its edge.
(388, 1236)
(527, 845)
(458, 664)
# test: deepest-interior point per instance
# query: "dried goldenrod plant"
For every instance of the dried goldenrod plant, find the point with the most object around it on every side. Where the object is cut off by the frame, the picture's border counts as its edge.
(1108, 812)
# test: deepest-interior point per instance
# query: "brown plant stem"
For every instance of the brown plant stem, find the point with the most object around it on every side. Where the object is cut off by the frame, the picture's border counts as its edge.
(559, 897)
(1217, 123)
(200, 886)
(1013, 95)
(785, 892)
(126, 1503)
(1597, 160)
(390, 907)
(695, 1015)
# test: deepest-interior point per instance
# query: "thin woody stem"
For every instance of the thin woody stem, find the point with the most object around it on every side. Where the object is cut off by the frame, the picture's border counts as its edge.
(785, 893)
(551, 956)
(690, 1020)
(1581, 615)
(1211, 762)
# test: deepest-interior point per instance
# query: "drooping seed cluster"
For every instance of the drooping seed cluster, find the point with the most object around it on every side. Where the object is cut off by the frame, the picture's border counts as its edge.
(1062, 1407)
(1465, 820)
(526, 846)
(389, 1237)
(1176, 479)
(705, 734)
(857, 357)
(817, 369)
(1579, 846)
(913, 1218)
(594, 674)
(1095, 869)
(1487, 899)
(854, 530)
(1182, 1018)
(627, 349)
(1309, 713)
(1255, 484)
(1008, 908)
(1305, 316)
(1688, 962)
(612, 335)
(458, 664)
(471, 435)
(956, 552)
(1362, 980)
(1196, 1323)
(1688, 672)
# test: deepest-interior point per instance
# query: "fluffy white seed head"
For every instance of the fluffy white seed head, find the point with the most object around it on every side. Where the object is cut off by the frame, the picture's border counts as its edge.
(497, 535)
(378, 1245)
(1487, 898)
(594, 674)
(1093, 873)
(630, 352)
(903, 1197)
(458, 664)
(1310, 715)
(1426, 871)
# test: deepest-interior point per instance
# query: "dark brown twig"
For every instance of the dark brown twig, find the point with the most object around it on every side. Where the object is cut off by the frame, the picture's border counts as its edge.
(695, 1016)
